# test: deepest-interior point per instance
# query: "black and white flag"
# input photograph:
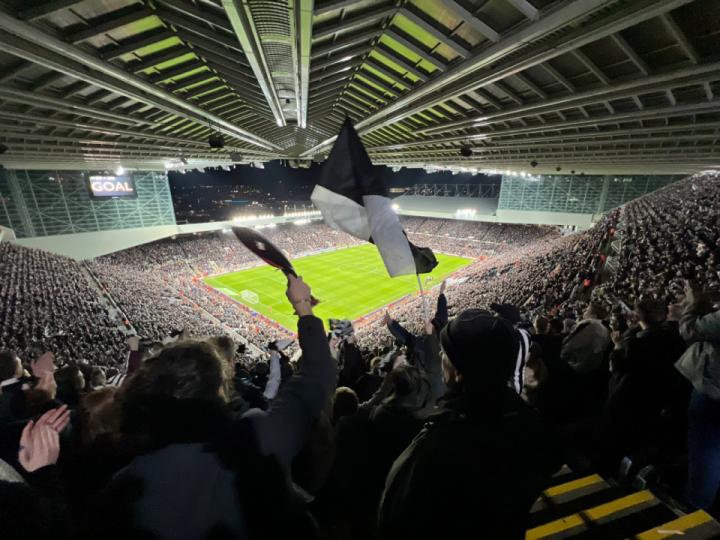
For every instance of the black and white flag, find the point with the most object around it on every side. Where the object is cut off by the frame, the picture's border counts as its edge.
(353, 198)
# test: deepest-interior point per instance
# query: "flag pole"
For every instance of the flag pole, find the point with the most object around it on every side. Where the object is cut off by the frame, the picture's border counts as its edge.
(424, 300)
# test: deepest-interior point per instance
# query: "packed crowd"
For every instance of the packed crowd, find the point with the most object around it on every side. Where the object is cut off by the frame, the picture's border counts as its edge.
(668, 238)
(167, 272)
(596, 349)
(39, 294)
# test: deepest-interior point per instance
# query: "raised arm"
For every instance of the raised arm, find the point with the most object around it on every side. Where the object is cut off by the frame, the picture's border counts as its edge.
(441, 312)
(273, 384)
(398, 331)
(282, 429)
(432, 364)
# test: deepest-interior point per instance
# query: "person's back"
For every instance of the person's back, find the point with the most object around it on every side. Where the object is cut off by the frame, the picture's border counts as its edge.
(201, 472)
(473, 472)
(481, 461)
(650, 365)
(644, 415)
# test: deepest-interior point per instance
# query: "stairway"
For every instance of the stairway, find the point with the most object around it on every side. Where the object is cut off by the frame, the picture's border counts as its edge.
(586, 506)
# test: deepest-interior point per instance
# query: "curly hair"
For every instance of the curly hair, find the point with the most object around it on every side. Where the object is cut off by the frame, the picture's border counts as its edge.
(187, 370)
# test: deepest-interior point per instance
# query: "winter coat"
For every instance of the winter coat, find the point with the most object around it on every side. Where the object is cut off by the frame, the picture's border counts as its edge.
(474, 471)
(210, 475)
(584, 349)
(701, 362)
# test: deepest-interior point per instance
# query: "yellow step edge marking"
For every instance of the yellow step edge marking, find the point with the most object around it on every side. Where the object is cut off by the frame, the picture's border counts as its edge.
(554, 527)
(567, 487)
(618, 505)
(676, 526)
(593, 514)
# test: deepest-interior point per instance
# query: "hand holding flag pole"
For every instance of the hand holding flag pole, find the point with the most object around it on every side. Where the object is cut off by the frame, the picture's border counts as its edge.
(426, 316)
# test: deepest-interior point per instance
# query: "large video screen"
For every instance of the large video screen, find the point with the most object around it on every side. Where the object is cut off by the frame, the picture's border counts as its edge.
(104, 186)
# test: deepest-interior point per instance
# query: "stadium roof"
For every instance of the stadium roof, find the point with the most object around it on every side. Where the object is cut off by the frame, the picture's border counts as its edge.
(598, 86)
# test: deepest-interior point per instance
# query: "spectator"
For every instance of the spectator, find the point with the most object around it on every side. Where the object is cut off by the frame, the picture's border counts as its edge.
(585, 347)
(486, 432)
(345, 403)
(173, 409)
(700, 327)
(647, 396)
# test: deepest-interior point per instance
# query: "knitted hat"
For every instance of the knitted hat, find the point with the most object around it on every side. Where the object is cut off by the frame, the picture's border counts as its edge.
(481, 346)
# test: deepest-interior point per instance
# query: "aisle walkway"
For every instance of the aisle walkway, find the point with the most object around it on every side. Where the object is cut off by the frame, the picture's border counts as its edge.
(586, 506)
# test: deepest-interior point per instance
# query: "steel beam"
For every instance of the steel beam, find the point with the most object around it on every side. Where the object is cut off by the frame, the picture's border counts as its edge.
(631, 54)
(680, 38)
(332, 5)
(471, 20)
(411, 103)
(409, 43)
(63, 105)
(247, 34)
(591, 66)
(301, 24)
(677, 77)
(43, 9)
(415, 16)
(358, 19)
(336, 47)
(526, 8)
(31, 43)
(111, 23)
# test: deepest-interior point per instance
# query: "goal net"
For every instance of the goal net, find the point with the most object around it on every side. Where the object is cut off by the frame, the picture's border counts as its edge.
(250, 297)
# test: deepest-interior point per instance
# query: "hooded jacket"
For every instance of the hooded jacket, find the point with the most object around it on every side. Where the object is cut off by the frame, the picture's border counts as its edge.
(584, 349)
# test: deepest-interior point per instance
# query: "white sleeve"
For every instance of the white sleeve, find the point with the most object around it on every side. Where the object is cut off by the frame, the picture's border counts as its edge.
(273, 384)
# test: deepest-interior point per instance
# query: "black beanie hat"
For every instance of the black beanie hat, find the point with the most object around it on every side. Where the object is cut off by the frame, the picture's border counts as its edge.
(481, 346)
(508, 312)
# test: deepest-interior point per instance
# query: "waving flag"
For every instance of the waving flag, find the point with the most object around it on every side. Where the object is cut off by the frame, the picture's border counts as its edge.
(264, 248)
(353, 198)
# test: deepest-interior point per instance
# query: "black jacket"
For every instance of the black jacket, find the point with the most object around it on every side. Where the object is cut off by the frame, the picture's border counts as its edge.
(647, 398)
(209, 475)
(474, 471)
(644, 375)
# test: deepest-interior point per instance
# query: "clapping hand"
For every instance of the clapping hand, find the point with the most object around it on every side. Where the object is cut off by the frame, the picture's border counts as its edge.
(58, 419)
(442, 286)
(40, 441)
(46, 382)
(43, 364)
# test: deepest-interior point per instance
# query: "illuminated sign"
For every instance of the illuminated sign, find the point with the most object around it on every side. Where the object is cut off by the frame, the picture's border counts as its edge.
(103, 186)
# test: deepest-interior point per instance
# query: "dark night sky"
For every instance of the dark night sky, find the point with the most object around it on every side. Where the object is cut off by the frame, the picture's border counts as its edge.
(280, 179)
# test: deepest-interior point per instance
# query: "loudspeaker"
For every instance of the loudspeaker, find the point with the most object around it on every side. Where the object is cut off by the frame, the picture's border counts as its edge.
(216, 141)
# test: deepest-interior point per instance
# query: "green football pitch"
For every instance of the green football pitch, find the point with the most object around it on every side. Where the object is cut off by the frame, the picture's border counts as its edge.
(349, 283)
